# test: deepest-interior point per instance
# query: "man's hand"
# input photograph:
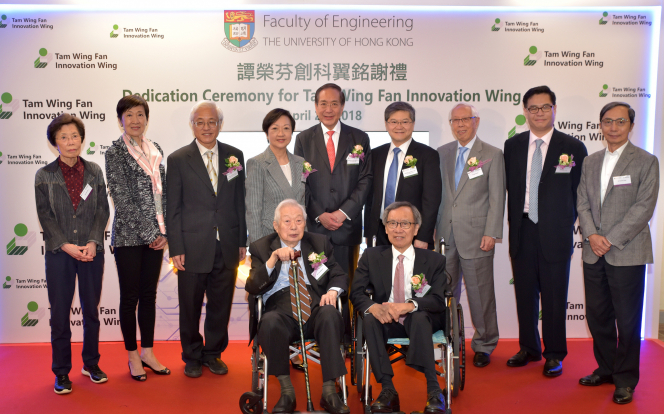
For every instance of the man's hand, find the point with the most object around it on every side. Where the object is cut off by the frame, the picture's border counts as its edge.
(243, 253)
(77, 252)
(599, 244)
(178, 261)
(398, 309)
(339, 216)
(284, 254)
(420, 244)
(330, 298)
(488, 243)
(381, 312)
(159, 243)
(329, 221)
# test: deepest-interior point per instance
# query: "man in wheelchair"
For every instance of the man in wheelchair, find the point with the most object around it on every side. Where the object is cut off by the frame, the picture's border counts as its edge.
(408, 301)
(278, 328)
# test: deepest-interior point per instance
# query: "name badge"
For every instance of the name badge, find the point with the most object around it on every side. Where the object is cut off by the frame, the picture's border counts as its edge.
(232, 175)
(622, 180)
(87, 189)
(350, 160)
(409, 172)
(318, 273)
(423, 292)
(563, 169)
(476, 173)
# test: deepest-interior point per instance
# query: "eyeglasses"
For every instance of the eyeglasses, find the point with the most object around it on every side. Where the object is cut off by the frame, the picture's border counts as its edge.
(543, 108)
(201, 124)
(392, 224)
(607, 122)
(394, 123)
(464, 121)
(73, 137)
(325, 105)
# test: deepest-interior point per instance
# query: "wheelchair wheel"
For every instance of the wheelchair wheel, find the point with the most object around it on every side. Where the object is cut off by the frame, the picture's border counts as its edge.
(251, 403)
(353, 344)
(358, 375)
(462, 349)
(454, 334)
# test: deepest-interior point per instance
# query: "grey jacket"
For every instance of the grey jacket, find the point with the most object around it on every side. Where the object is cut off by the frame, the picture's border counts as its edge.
(61, 224)
(624, 215)
(266, 187)
(135, 222)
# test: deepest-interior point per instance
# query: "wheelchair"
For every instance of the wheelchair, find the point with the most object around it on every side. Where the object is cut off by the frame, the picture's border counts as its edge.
(450, 342)
(255, 401)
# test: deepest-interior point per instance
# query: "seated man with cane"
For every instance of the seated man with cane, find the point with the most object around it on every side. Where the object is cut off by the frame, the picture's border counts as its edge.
(271, 277)
(408, 302)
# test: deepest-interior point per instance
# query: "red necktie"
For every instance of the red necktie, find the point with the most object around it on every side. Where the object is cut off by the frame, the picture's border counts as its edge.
(330, 150)
(399, 289)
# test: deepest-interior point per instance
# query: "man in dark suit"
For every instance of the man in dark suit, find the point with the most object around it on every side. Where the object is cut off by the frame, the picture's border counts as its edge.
(336, 193)
(617, 197)
(206, 225)
(403, 170)
(399, 308)
(269, 276)
(541, 211)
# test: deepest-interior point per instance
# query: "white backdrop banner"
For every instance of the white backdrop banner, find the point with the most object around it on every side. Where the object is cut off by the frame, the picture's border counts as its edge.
(250, 61)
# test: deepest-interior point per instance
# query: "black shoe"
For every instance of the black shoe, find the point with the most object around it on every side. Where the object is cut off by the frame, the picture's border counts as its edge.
(164, 371)
(95, 373)
(62, 384)
(623, 395)
(217, 366)
(141, 378)
(286, 404)
(521, 359)
(193, 369)
(334, 405)
(297, 363)
(594, 380)
(435, 402)
(481, 359)
(553, 368)
(387, 402)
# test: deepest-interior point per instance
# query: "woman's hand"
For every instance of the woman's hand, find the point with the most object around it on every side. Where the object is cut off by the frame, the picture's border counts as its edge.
(77, 252)
(90, 252)
(159, 243)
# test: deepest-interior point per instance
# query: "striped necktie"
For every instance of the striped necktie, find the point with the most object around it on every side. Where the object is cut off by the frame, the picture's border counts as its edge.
(211, 172)
(305, 298)
(535, 175)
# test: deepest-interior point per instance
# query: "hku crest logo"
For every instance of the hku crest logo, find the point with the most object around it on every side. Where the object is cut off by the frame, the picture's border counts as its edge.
(2, 21)
(90, 150)
(8, 283)
(602, 93)
(520, 121)
(497, 25)
(239, 27)
(605, 19)
(533, 57)
(33, 316)
(19, 245)
(43, 59)
(113, 34)
(7, 107)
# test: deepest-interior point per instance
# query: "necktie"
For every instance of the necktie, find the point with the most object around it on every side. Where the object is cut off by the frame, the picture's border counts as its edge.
(535, 175)
(458, 169)
(392, 176)
(305, 298)
(330, 150)
(211, 172)
(399, 290)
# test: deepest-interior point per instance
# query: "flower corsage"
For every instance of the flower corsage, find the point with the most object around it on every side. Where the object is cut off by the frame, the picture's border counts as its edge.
(420, 285)
(234, 167)
(318, 263)
(410, 161)
(358, 152)
(473, 164)
(306, 170)
(565, 163)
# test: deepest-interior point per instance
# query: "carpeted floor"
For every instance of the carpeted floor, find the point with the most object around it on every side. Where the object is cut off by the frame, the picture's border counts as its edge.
(27, 384)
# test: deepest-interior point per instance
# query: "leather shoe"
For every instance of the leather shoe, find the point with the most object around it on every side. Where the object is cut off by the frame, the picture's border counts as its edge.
(594, 380)
(193, 369)
(387, 402)
(623, 395)
(217, 366)
(435, 402)
(286, 404)
(297, 363)
(553, 368)
(334, 405)
(481, 359)
(521, 359)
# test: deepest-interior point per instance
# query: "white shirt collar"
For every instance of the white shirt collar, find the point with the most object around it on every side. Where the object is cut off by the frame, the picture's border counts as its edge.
(203, 150)
(409, 253)
(546, 138)
(618, 151)
(336, 129)
(296, 248)
(469, 145)
(403, 147)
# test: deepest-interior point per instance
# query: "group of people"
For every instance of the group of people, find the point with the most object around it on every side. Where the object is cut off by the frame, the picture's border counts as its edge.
(311, 202)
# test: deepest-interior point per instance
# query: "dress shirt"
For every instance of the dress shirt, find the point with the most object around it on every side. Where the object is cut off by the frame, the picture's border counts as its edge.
(283, 279)
(335, 136)
(73, 180)
(609, 163)
(531, 151)
(469, 146)
(388, 162)
(287, 172)
(215, 155)
(408, 264)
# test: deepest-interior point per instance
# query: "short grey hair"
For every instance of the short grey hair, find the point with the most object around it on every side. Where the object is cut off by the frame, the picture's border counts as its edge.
(473, 110)
(206, 104)
(399, 204)
(630, 111)
(399, 106)
(288, 202)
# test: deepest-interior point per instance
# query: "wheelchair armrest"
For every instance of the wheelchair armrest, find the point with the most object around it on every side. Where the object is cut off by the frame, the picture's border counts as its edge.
(259, 306)
(339, 307)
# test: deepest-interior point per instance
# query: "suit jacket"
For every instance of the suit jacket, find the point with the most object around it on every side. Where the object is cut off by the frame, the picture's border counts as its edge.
(346, 188)
(422, 190)
(476, 208)
(260, 282)
(556, 196)
(624, 215)
(266, 187)
(375, 270)
(195, 213)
